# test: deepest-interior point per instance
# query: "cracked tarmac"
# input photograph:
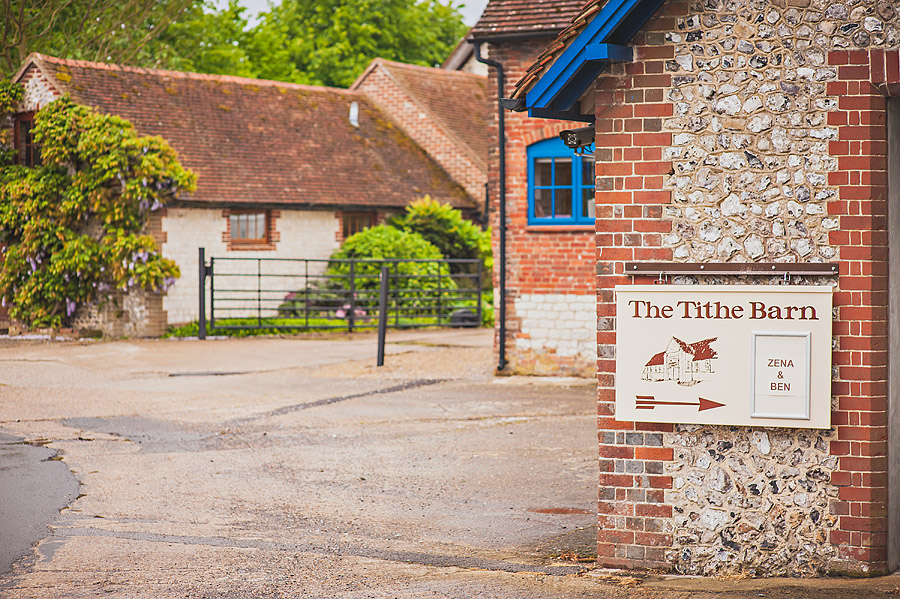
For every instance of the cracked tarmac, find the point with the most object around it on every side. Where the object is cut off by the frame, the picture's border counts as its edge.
(308, 472)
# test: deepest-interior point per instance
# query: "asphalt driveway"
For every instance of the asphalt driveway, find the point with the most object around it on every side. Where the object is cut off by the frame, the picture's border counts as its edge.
(295, 468)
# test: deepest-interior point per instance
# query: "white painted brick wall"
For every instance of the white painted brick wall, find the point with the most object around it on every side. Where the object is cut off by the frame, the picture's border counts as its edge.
(307, 234)
(565, 323)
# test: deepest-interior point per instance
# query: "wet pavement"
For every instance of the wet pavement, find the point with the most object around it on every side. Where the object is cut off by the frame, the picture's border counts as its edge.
(295, 468)
(34, 486)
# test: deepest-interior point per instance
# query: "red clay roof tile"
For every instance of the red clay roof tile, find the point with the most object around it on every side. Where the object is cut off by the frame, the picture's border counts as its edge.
(454, 100)
(264, 142)
(511, 17)
(558, 45)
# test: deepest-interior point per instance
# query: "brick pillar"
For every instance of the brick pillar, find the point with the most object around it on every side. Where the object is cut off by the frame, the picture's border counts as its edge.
(634, 526)
(860, 359)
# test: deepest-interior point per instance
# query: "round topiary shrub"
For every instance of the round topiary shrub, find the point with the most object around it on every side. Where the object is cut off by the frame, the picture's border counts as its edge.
(413, 263)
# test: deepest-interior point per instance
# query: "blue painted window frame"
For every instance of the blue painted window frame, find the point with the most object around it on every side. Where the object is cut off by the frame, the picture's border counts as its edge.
(555, 148)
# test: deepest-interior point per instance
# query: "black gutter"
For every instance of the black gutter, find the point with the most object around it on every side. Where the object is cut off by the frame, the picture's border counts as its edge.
(502, 199)
(519, 36)
(486, 217)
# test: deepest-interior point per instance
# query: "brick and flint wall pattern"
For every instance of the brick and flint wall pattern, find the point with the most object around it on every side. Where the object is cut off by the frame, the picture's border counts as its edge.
(550, 269)
(751, 130)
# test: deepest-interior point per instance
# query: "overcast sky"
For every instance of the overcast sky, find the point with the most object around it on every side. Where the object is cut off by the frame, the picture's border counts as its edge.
(470, 12)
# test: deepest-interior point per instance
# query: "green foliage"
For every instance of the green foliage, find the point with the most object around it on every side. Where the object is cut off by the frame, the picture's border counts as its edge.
(330, 42)
(10, 96)
(414, 280)
(444, 226)
(107, 30)
(319, 42)
(206, 40)
(72, 229)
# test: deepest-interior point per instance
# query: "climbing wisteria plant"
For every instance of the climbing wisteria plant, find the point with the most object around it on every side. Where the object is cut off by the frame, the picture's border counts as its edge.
(73, 230)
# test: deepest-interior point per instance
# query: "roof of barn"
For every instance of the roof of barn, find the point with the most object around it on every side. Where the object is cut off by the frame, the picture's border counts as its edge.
(258, 142)
(455, 101)
(597, 35)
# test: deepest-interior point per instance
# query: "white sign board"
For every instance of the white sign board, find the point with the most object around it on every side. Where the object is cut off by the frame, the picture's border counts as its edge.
(747, 355)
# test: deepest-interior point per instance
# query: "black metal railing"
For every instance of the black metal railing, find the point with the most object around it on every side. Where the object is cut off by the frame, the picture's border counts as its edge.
(301, 294)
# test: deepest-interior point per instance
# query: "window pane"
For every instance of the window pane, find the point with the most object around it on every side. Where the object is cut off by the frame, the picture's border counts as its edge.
(354, 222)
(23, 142)
(261, 225)
(587, 202)
(563, 202)
(587, 171)
(248, 226)
(563, 171)
(543, 203)
(543, 172)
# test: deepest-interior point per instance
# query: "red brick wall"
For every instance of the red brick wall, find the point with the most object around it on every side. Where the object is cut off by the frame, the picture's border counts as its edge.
(630, 104)
(863, 79)
(541, 259)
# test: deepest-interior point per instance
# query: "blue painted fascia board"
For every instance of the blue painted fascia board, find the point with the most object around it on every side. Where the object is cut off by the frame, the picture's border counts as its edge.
(597, 57)
(567, 115)
(589, 53)
(608, 53)
(613, 13)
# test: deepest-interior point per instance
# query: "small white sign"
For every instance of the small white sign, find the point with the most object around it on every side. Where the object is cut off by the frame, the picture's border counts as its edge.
(724, 354)
(781, 375)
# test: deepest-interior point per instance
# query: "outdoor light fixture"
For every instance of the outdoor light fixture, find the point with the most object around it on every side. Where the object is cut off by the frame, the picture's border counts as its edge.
(578, 138)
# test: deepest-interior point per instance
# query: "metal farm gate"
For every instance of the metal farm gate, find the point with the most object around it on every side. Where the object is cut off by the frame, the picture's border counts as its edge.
(300, 294)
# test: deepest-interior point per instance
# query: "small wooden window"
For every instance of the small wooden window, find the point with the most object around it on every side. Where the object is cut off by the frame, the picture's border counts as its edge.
(560, 185)
(27, 152)
(251, 227)
(354, 222)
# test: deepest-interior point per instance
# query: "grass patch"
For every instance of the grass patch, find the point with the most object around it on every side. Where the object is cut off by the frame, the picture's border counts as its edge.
(251, 327)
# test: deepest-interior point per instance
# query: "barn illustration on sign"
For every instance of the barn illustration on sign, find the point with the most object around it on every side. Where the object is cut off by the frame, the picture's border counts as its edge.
(685, 363)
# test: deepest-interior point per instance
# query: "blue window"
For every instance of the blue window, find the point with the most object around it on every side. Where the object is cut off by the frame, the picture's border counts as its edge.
(560, 185)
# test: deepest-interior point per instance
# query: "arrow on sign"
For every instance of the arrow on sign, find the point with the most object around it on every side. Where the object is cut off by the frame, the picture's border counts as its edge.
(648, 402)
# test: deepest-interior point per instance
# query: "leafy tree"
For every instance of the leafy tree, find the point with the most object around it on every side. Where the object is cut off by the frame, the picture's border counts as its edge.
(72, 229)
(330, 42)
(207, 40)
(445, 227)
(103, 30)
(414, 280)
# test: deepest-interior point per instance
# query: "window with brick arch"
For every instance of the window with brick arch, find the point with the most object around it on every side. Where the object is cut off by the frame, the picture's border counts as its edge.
(27, 152)
(249, 227)
(354, 222)
(560, 185)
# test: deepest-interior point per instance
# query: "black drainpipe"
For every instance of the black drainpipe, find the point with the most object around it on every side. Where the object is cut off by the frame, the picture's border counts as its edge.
(502, 199)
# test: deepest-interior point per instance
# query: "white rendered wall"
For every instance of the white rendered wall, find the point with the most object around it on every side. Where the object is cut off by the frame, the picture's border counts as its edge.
(309, 234)
(564, 324)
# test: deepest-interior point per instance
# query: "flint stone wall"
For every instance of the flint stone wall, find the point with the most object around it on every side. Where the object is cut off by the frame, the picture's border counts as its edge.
(755, 497)
(750, 130)
(718, 144)
(750, 183)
